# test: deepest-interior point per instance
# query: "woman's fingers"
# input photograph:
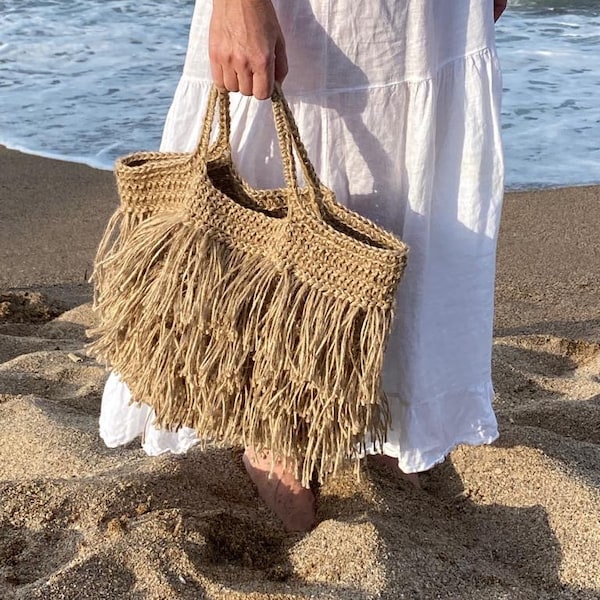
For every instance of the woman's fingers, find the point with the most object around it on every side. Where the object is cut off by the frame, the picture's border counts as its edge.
(226, 76)
(230, 79)
(263, 80)
(246, 47)
(217, 75)
(245, 84)
(250, 81)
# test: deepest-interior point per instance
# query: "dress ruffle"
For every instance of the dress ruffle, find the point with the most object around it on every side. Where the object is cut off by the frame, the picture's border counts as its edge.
(121, 422)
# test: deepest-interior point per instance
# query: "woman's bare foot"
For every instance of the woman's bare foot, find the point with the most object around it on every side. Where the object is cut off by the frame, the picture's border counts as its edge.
(282, 492)
(391, 463)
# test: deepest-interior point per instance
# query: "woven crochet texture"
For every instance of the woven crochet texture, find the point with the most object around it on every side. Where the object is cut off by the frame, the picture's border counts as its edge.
(256, 317)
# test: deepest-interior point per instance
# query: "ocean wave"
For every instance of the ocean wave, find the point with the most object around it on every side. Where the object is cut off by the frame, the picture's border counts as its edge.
(89, 81)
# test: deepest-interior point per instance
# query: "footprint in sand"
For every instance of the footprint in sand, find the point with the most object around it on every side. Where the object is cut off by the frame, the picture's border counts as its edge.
(26, 307)
(549, 382)
(24, 555)
(53, 375)
(546, 355)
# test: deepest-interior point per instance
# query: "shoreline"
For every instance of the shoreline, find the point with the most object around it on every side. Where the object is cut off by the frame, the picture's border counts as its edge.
(517, 519)
(102, 166)
(87, 161)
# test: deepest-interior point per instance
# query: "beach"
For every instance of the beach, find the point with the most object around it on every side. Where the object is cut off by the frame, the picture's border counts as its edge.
(519, 519)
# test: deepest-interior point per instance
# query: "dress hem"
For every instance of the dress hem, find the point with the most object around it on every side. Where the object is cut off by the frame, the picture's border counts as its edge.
(440, 457)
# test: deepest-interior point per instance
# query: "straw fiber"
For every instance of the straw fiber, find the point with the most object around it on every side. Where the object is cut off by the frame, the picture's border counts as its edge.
(256, 317)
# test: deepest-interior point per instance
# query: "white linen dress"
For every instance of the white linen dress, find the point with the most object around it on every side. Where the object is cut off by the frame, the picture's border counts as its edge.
(398, 103)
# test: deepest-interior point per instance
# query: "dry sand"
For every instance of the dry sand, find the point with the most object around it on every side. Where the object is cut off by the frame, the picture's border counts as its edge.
(516, 520)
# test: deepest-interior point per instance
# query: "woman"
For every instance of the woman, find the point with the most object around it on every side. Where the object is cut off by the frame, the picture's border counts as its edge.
(398, 103)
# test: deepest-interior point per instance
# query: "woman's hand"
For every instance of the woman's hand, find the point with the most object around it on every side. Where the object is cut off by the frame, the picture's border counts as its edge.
(499, 8)
(246, 47)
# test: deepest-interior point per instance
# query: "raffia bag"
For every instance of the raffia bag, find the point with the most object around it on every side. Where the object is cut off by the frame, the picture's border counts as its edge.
(256, 317)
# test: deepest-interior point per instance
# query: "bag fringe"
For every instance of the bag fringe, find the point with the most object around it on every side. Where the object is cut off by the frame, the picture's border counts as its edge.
(237, 347)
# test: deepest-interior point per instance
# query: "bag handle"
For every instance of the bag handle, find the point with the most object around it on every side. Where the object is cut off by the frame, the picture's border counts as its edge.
(287, 135)
(282, 108)
(222, 143)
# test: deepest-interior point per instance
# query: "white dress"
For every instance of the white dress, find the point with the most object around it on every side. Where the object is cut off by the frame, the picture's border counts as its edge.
(398, 103)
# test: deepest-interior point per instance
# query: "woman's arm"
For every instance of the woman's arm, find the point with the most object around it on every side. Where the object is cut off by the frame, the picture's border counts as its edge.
(246, 47)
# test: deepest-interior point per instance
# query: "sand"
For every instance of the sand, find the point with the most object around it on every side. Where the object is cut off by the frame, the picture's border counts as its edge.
(516, 520)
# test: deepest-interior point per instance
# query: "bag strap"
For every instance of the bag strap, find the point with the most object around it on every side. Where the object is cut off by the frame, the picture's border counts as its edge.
(282, 108)
(203, 147)
(288, 136)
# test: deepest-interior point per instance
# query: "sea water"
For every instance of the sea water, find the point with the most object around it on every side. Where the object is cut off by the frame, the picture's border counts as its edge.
(550, 55)
(91, 80)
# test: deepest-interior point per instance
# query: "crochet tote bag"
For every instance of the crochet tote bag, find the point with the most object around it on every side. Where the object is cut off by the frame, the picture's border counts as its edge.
(256, 317)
